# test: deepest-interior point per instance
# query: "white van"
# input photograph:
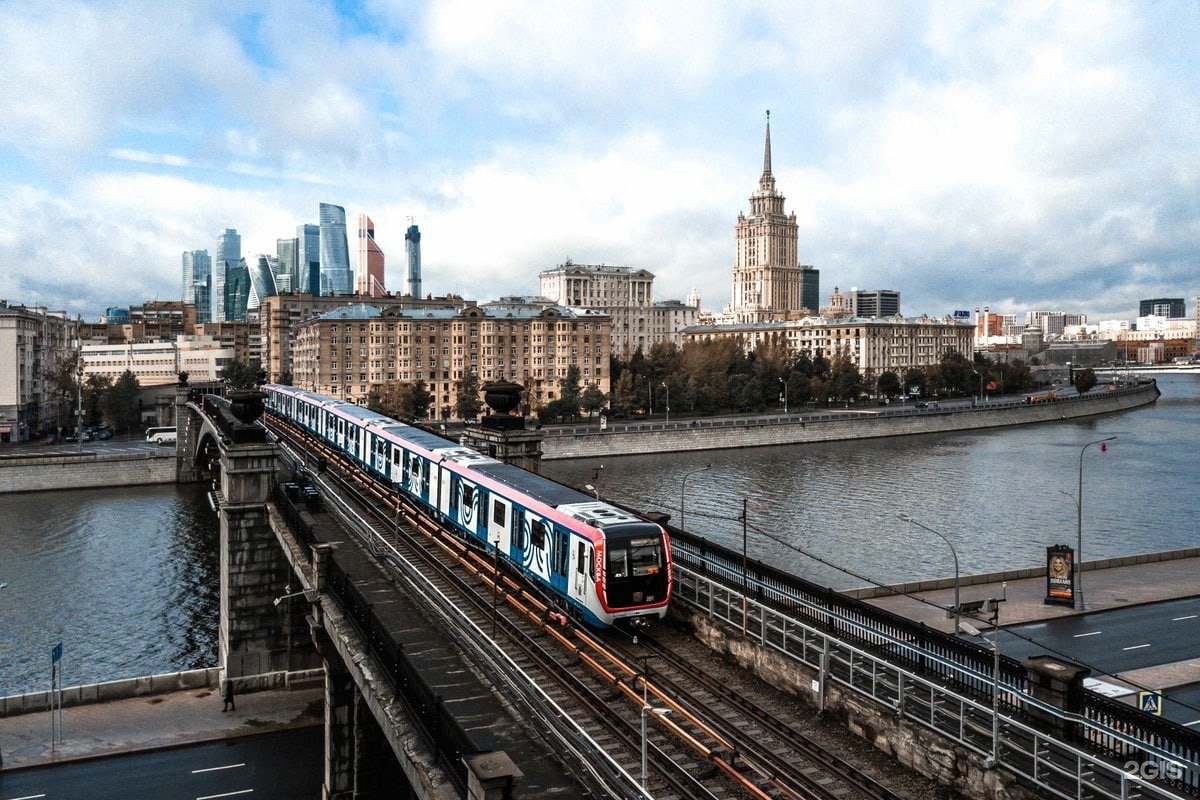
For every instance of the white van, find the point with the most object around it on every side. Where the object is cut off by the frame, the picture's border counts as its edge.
(160, 435)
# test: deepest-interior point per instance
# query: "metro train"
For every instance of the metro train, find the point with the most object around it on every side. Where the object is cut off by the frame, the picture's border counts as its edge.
(602, 564)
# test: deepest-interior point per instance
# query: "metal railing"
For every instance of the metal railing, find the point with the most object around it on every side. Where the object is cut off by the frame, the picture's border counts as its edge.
(1102, 748)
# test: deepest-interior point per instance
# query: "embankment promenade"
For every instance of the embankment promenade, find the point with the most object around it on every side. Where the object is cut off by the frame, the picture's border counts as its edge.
(634, 438)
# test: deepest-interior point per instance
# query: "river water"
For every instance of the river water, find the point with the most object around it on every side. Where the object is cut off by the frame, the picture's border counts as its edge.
(828, 512)
(127, 579)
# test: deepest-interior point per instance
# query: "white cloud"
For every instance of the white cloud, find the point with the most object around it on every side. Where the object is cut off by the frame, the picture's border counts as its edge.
(1022, 153)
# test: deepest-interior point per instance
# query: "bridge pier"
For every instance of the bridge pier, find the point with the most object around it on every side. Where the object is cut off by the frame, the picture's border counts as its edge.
(254, 634)
(187, 427)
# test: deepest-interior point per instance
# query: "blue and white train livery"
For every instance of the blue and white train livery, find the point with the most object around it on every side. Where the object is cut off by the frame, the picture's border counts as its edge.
(602, 563)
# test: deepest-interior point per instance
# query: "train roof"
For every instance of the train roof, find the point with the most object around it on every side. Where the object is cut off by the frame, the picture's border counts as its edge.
(532, 484)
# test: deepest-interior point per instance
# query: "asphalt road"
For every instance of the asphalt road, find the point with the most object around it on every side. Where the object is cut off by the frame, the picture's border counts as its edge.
(1114, 641)
(275, 766)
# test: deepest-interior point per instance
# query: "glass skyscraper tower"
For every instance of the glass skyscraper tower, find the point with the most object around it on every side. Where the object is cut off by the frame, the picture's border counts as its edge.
(229, 252)
(308, 259)
(336, 277)
(197, 272)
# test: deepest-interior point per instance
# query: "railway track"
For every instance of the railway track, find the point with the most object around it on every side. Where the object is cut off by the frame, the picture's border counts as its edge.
(702, 738)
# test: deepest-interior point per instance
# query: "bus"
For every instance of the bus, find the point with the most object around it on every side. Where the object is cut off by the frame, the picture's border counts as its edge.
(160, 435)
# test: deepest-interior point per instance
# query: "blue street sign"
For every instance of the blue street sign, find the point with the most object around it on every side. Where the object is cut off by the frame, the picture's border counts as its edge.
(56, 654)
(1150, 702)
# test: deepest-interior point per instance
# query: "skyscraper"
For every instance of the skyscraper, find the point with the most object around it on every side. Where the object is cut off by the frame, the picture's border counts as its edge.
(262, 279)
(336, 277)
(197, 271)
(370, 260)
(766, 270)
(229, 252)
(412, 249)
(287, 251)
(308, 258)
(235, 292)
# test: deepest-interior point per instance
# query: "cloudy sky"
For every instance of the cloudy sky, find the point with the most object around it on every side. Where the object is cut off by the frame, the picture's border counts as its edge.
(1016, 155)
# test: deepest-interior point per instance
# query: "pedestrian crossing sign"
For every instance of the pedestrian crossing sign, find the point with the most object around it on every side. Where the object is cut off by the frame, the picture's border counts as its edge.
(1150, 702)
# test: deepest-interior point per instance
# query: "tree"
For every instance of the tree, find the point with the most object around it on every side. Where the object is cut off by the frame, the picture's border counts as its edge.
(569, 392)
(121, 402)
(846, 379)
(623, 396)
(94, 390)
(468, 404)
(418, 400)
(1085, 380)
(593, 399)
(889, 384)
(240, 375)
(62, 382)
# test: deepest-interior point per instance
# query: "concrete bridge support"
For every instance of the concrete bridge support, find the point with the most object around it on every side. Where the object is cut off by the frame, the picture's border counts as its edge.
(187, 427)
(254, 636)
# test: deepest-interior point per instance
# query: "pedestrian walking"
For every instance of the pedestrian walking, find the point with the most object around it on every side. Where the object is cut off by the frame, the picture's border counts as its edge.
(228, 697)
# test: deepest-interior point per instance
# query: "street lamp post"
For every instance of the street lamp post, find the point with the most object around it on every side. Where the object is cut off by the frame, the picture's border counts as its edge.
(957, 605)
(1079, 525)
(668, 388)
(683, 487)
(785, 397)
(646, 710)
(79, 393)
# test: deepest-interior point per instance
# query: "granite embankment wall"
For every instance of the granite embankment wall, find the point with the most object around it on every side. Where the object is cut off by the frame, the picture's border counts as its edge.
(810, 427)
(85, 470)
(113, 690)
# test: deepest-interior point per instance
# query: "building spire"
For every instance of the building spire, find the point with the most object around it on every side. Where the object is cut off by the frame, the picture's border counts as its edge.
(767, 149)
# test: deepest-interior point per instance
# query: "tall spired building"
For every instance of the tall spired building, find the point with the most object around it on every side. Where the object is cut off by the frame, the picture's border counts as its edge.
(370, 260)
(766, 271)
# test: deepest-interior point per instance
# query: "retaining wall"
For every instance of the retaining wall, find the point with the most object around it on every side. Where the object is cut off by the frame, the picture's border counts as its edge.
(113, 690)
(86, 470)
(619, 440)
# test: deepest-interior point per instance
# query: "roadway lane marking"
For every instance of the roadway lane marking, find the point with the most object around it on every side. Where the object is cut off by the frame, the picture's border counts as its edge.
(1193, 722)
(1179, 619)
(29, 797)
(1090, 633)
(1135, 647)
(227, 794)
(214, 769)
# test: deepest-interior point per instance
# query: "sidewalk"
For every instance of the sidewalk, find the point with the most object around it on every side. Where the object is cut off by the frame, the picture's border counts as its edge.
(153, 722)
(1104, 589)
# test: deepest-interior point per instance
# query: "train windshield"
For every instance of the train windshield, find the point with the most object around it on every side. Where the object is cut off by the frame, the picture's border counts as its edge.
(636, 556)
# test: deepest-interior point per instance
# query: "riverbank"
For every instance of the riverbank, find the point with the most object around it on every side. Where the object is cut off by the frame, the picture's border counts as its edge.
(27, 471)
(812, 427)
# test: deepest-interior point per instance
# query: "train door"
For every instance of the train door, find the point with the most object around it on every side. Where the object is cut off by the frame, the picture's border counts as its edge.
(467, 502)
(537, 556)
(395, 470)
(559, 558)
(439, 492)
(380, 461)
(580, 571)
(499, 532)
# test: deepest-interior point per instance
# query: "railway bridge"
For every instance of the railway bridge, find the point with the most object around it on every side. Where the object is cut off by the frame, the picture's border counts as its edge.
(302, 602)
(284, 623)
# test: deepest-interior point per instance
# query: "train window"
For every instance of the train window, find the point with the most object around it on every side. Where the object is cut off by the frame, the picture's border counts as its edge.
(645, 555)
(618, 562)
(538, 535)
(580, 561)
(468, 495)
(396, 456)
(498, 513)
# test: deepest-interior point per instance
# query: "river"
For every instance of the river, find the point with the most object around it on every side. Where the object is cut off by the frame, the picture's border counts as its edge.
(829, 512)
(127, 579)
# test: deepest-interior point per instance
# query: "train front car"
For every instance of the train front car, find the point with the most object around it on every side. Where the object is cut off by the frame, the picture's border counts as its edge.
(633, 581)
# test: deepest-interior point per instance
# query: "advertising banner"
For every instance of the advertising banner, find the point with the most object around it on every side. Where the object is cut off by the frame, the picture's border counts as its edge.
(1060, 575)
